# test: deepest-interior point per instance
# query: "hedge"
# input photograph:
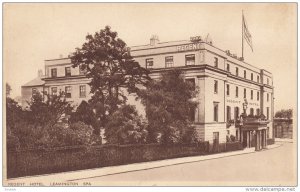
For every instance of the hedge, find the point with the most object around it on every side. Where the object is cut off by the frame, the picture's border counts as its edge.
(45, 161)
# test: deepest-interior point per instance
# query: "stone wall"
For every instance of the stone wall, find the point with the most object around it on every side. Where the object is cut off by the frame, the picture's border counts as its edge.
(283, 128)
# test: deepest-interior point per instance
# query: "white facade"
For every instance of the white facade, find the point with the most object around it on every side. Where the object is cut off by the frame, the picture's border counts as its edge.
(209, 67)
(220, 76)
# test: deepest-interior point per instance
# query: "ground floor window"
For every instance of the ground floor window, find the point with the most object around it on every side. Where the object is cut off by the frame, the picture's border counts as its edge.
(251, 111)
(215, 137)
(82, 91)
(68, 90)
(228, 111)
(236, 113)
(216, 111)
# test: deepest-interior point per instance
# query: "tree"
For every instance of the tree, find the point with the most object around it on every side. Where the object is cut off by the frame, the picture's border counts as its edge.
(284, 113)
(125, 126)
(84, 113)
(169, 107)
(8, 90)
(107, 61)
(47, 112)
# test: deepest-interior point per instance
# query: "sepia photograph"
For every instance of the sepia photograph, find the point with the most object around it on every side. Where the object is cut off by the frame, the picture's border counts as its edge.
(150, 94)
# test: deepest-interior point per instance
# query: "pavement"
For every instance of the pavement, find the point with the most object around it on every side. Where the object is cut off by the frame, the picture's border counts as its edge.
(286, 140)
(73, 177)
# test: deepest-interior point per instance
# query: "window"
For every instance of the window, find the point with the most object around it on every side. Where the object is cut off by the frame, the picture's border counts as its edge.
(192, 83)
(251, 76)
(149, 63)
(228, 132)
(54, 72)
(245, 74)
(228, 89)
(251, 111)
(216, 111)
(215, 137)
(82, 91)
(228, 112)
(169, 61)
(267, 113)
(34, 91)
(236, 91)
(268, 97)
(257, 95)
(216, 62)
(228, 67)
(245, 93)
(82, 71)
(251, 94)
(68, 90)
(216, 87)
(268, 81)
(236, 113)
(54, 90)
(237, 71)
(68, 71)
(257, 112)
(190, 59)
(257, 79)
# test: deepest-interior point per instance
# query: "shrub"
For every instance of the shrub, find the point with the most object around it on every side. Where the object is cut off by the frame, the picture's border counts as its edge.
(125, 126)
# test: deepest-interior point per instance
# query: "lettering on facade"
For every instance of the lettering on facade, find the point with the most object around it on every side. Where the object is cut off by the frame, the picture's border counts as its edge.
(233, 101)
(239, 102)
(253, 104)
(193, 46)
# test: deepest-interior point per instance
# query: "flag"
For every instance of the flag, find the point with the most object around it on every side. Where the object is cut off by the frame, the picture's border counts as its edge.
(247, 36)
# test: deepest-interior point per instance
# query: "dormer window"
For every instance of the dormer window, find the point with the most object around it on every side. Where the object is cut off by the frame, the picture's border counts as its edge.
(149, 63)
(237, 71)
(190, 59)
(54, 72)
(68, 71)
(216, 62)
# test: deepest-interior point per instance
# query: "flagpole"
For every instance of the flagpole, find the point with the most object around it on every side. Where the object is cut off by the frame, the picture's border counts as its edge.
(243, 34)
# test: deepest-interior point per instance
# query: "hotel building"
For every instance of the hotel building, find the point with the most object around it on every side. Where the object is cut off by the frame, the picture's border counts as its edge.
(227, 85)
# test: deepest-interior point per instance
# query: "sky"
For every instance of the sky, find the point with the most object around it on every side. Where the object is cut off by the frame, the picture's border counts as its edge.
(35, 32)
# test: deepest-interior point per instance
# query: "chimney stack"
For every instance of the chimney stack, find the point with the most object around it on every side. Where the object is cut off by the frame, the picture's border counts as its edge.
(40, 73)
(154, 40)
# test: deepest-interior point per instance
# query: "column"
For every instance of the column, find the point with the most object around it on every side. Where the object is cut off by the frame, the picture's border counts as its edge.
(266, 139)
(241, 136)
(248, 139)
(256, 141)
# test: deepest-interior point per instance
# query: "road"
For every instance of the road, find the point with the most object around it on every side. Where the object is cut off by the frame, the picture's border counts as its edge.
(275, 166)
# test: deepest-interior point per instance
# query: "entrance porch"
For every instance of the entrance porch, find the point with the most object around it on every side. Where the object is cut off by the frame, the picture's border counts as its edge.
(254, 134)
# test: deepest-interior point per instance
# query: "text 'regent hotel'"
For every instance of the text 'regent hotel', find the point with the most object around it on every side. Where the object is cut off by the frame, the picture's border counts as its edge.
(227, 85)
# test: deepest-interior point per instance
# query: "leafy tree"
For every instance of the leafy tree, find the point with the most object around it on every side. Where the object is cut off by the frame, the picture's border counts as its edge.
(169, 107)
(8, 90)
(47, 112)
(84, 113)
(284, 113)
(125, 126)
(107, 61)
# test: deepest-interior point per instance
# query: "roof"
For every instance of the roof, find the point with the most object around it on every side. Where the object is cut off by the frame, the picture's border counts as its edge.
(35, 82)
(160, 44)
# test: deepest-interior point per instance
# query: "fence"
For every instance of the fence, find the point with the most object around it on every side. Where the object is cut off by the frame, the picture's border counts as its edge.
(270, 141)
(224, 147)
(45, 161)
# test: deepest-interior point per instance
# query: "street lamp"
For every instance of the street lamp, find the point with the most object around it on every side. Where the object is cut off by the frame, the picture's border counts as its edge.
(245, 104)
